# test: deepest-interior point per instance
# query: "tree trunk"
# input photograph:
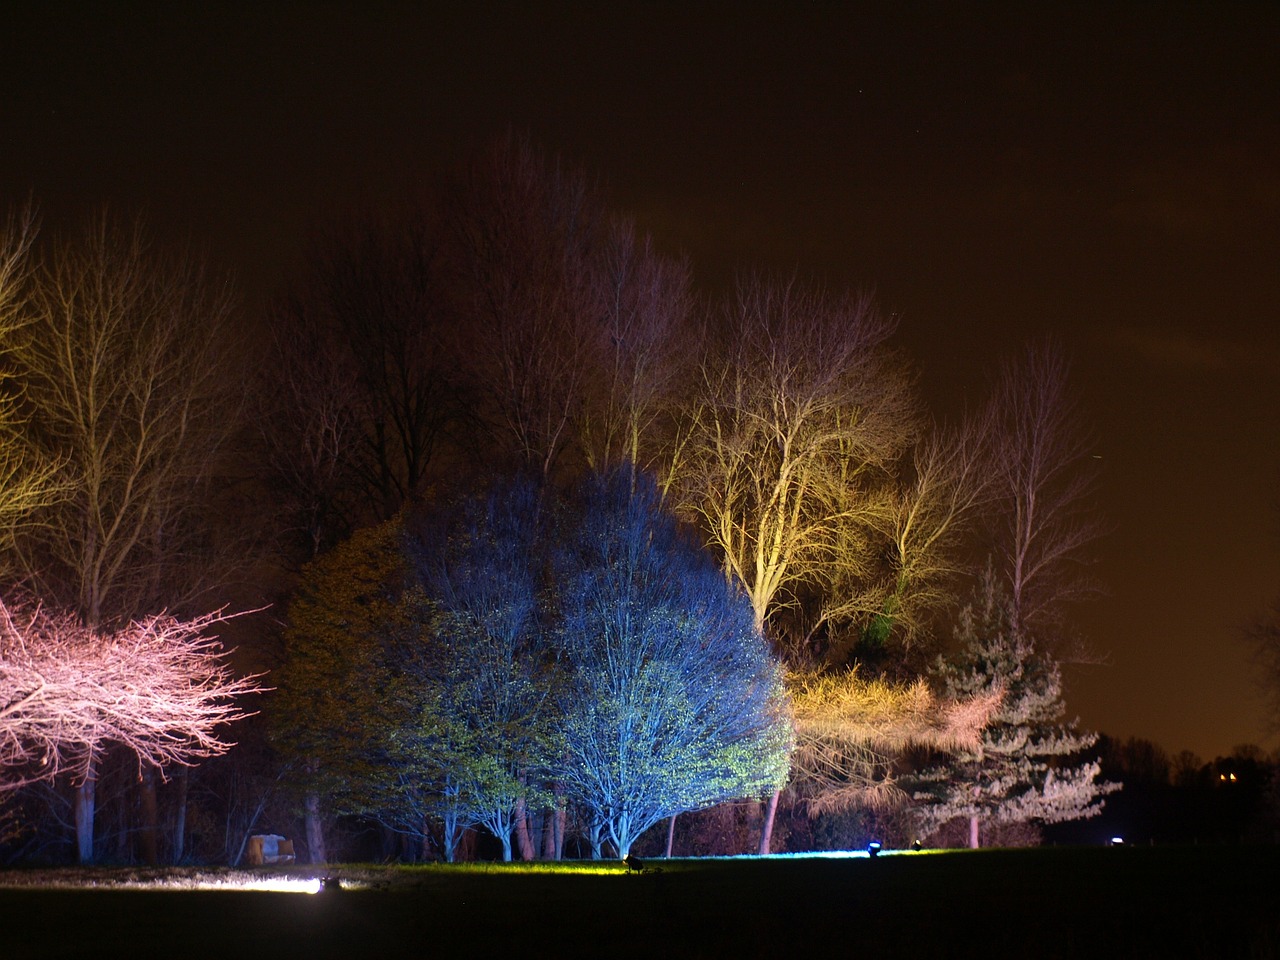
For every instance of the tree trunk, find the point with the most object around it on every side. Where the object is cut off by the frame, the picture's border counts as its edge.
(149, 811)
(527, 851)
(180, 817)
(973, 833)
(766, 832)
(84, 810)
(315, 829)
(549, 835)
(671, 836)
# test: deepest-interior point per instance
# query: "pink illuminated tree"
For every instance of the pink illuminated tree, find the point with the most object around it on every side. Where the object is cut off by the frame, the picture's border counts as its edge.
(160, 686)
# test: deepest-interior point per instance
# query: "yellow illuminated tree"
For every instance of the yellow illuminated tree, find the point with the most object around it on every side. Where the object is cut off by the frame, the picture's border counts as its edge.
(786, 464)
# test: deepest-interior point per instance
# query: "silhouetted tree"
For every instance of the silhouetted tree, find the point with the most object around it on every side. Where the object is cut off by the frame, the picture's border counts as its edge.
(525, 234)
(362, 390)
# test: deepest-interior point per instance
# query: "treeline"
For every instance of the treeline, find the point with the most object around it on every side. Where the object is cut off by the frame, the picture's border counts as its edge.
(512, 334)
(1182, 799)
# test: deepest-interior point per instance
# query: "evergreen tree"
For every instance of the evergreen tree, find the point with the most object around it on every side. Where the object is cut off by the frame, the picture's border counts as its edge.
(1028, 765)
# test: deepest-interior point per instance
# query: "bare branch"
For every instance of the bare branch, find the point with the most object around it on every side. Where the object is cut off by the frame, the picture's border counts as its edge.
(159, 686)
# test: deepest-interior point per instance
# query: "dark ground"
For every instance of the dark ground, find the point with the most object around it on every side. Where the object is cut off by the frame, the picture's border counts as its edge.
(1206, 902)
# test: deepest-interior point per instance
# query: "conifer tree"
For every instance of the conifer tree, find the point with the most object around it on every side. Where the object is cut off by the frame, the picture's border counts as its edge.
(1029, 763)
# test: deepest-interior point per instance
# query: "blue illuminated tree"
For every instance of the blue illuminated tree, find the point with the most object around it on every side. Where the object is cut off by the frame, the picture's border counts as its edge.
(477, 561)
(673, 701)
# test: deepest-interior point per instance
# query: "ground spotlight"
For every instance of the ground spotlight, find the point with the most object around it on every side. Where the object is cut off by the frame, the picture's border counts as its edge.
(330, 885)
(1116, 842)
(873, 848)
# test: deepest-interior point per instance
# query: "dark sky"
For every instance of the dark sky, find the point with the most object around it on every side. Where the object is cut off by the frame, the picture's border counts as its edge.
(1110, 173)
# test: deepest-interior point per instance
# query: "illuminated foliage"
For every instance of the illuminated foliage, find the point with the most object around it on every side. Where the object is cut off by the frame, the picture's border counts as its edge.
(336, 708)
(849, 731)
(478, 562)
(800, 414)
(673, 701)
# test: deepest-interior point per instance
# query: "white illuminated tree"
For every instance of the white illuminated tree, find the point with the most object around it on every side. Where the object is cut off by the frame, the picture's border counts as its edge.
(1030, 763)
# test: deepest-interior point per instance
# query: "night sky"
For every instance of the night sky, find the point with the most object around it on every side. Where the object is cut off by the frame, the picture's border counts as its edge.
(1109, 173)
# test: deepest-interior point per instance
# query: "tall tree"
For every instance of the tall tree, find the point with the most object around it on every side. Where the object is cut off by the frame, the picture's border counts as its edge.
(938, 498)
(674, 701)
(525, 235)
(344, 623)
(1263, 636)
(801, 415)
(27, 478)
(1045, 476)
(479, 564)
(1029, 764)
(126, 375)
(643, 358)
(361, 392)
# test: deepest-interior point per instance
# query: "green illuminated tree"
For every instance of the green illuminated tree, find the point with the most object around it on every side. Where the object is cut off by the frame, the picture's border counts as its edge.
(673, 701)
(337, 705)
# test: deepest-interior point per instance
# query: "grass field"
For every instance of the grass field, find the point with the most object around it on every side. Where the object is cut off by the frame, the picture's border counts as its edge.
(1210, 902)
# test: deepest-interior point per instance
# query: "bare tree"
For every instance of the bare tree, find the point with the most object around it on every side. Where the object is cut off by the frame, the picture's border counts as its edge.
(524, 230)
(366, 393)
(1263, 636)
(127, 380)
(310, 425)
(27, 480)
(644, 339)
(935, 504)
(801, 416)
(160, 686)
(1046, 476)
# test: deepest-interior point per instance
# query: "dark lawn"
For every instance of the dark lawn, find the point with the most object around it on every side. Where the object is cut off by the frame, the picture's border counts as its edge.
(1206, 902)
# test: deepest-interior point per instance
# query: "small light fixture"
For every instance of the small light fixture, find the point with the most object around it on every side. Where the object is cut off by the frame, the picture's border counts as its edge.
(873, 848)
(1116, 842)
(330, 885)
